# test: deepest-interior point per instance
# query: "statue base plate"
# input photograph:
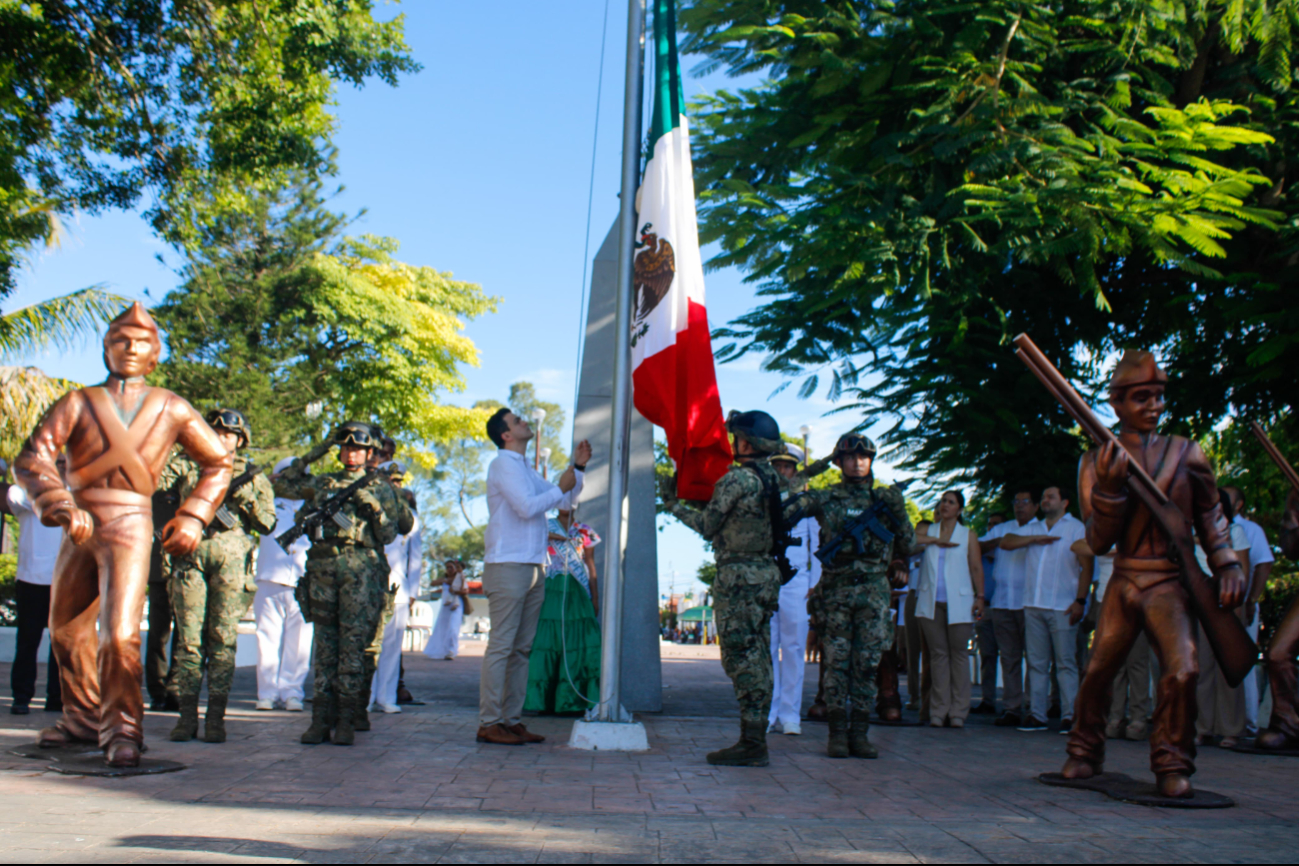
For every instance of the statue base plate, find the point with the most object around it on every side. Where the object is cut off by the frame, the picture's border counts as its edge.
(1119, 786)
(1247, 747)
(87, 759)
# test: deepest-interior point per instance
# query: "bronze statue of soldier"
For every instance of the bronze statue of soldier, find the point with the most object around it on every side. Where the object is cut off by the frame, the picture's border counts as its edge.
(1145, 593)
(118, 436)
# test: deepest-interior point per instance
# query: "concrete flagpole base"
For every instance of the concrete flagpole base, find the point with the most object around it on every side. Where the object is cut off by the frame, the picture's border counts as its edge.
(609, 736)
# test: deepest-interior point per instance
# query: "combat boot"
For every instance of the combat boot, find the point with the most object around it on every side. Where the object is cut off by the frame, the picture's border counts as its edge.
(187, 725)
(319, 731)
(361, 712)
(214, 724)
(859, 745)
(345, 730)
(837, 747)
(750, 751)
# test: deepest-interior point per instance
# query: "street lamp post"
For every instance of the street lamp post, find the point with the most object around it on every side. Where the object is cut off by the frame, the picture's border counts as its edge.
(545, 461)
(807, 456)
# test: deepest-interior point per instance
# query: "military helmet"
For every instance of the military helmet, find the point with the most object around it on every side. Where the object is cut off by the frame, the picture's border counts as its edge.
(757, 428)
(853, 443)
(231, 420)
(355, 433)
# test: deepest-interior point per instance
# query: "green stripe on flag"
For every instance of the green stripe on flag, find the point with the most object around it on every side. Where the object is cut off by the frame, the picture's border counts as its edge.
(669, 98)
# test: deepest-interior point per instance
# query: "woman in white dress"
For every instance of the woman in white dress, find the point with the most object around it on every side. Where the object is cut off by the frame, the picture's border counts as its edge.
(444, 643)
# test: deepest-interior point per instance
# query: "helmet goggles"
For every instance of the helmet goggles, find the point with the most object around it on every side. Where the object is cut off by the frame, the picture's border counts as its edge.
(355, 434)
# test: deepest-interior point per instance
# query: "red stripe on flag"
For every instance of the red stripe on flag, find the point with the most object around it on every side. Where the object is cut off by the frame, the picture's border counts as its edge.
(677, 390)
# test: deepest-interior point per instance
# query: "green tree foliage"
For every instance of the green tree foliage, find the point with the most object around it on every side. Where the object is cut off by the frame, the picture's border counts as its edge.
(102, 101)
(917, 181)
(278, 310)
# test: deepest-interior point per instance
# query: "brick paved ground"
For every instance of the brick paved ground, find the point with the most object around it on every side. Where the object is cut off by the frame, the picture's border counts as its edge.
(418, 789)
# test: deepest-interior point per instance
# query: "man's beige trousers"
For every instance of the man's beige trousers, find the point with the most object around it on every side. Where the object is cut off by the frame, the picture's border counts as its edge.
(514, 591)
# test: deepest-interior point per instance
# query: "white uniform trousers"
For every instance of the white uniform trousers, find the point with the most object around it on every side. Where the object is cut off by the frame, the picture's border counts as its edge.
(283, 643)
(789, 652)
(384, 686)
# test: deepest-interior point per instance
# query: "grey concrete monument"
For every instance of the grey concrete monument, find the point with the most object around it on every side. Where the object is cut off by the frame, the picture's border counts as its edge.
(642, 677)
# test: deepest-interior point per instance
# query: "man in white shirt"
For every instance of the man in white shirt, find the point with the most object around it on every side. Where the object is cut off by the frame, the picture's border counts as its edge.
(1261, 560)
(513, 574)
(984, 630)
(790, 622)
(406, 566)
(1007, 603)
(38, 547)
(1055, 599)
(283, 636)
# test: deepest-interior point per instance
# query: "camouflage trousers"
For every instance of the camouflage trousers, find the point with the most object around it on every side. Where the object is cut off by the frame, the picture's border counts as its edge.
(340, 590)
(745, 595)
(858, 629)
(211, 589)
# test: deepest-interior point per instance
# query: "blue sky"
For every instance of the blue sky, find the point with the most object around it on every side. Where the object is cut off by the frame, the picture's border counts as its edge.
(479, 165)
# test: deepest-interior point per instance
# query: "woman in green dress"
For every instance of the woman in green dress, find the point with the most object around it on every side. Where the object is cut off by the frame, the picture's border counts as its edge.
(564, 669)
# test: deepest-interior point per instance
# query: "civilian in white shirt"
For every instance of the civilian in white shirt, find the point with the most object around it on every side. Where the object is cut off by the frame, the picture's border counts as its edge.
(918, 683)
(789, 624)
(38, 547)
(984, 631)
(406, 567)
(1055, 599)
(283, 636)
(513, 575)
(1261, 561)
(1007, 603)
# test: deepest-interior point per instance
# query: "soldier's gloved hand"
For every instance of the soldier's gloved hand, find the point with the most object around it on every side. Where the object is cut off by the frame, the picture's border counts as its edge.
(898, 573)
(368, 503)
(320, 449)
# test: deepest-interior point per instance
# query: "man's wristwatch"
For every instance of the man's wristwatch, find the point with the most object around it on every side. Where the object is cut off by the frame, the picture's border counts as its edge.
(1082, 601)
(580, 467)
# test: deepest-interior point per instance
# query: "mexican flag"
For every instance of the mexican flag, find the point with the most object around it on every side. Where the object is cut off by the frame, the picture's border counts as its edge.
(674, 381)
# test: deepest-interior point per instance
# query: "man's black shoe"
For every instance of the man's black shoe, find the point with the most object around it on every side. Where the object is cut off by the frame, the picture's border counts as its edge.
(171, 703)
(404, 696)
(1008, 720)
(983, 710)
(53, 706)
(19, 710)
(1054, 712)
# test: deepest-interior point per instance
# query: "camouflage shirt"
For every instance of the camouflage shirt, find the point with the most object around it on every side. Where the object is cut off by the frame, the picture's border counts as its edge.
(253, 504)
(835, 506)
(735, 521)
(373, 512)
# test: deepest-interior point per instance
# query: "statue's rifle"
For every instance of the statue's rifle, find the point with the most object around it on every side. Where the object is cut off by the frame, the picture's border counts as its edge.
(1235, 651)
(1281, 463)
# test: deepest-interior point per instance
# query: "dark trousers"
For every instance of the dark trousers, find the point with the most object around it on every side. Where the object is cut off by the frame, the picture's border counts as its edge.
(984, 633)
(33, 618)
(156, 667)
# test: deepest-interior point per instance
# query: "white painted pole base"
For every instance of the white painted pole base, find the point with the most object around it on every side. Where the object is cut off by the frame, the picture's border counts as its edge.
(609, 736)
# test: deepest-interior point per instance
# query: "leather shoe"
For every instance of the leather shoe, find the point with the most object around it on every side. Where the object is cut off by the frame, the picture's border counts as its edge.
(404, 696)
(499, 735)
(20, 710)
(524, 734)
(122, 753)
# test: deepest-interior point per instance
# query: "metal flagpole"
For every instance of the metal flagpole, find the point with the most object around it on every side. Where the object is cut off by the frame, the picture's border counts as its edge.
(610, 707)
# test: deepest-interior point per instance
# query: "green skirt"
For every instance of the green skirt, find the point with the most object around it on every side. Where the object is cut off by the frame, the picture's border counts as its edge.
(564, 625)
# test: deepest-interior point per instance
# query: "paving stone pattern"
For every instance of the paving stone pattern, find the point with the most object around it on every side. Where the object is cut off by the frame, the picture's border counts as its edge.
(419, 789)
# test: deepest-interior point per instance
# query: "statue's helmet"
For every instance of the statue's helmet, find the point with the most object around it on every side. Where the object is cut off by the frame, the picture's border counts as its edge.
(1136, 367)
(356, 433)
(233, 421)
(135, 321)
(758, 429)
(853, 443)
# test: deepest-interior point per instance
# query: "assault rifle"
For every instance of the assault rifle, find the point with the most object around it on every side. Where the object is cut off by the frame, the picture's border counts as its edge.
(871, 520)
(224, 518)
(1235, 651)
(312, 519)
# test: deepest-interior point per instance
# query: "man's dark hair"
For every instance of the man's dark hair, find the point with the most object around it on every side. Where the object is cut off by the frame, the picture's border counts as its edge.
(1231, 489)
(1030, 492)
(1000, 514)
(497, 426)
(1228, 511)
(1064, 492)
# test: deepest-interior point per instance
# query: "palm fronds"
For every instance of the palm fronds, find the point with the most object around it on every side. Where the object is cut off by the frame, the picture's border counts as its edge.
(25, 394)
(59, 322)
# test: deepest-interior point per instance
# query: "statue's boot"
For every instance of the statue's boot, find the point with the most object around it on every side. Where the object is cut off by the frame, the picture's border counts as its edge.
(837, 746)
(122, 753)
(214, 724)
(187, 725)
(1271, 739)
(55, 737)
(1078, 769)
(319, 730)
(859, 744)
(1175, 785)
(750, 751)
(345, 730)
(361, 712)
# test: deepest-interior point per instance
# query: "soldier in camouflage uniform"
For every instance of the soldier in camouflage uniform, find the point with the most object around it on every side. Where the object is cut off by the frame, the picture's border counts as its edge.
(737, 522)
(343, 566)
(855, 591)
(212, 587)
